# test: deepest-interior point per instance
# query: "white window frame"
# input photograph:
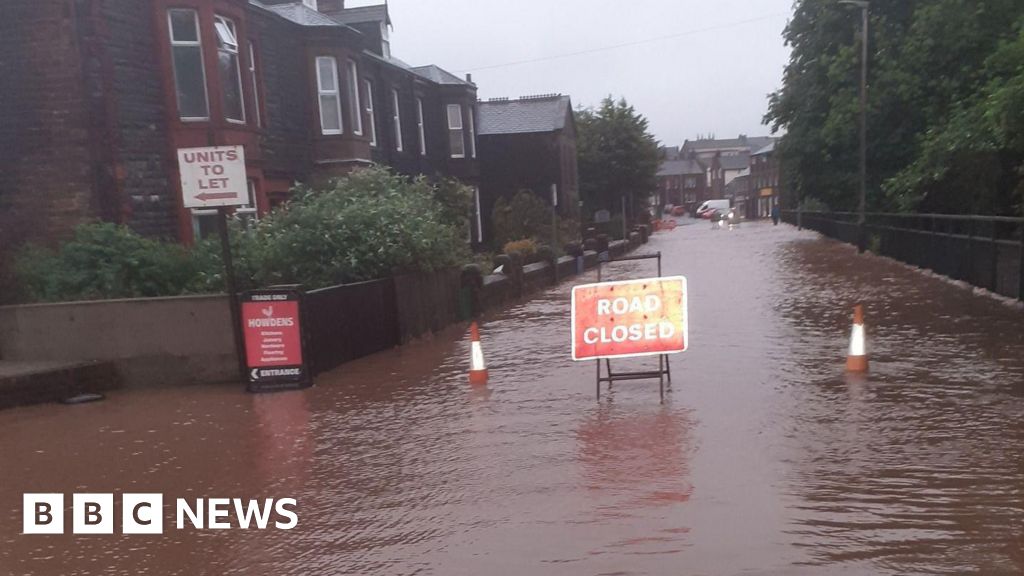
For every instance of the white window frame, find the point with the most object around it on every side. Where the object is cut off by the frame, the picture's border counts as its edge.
(197, 43)
(225, 28)
(250, 209)
(354, 102)
(420, 127)
(477, 210)
(258, 114)
(454, 112)
(311, 4)
(397, 120)
(336, 92)
(472, 133)
(369, 112)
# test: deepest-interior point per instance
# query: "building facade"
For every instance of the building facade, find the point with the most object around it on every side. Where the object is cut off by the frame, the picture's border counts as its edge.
(764, 181)
(683, 183)
(528, 144)
(107, 91)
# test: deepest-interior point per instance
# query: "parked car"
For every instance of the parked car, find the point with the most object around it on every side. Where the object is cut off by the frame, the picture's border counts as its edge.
(707, 209)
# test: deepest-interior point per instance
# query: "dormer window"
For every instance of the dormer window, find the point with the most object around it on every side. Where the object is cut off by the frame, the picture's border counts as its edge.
(310, 4)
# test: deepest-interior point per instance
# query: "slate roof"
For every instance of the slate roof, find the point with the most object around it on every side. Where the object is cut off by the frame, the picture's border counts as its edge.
(526, 115)
(680, 168)
(669, 152)
(738, 162)
(299, 14)
(438, 75)
(766, 150)
(358, 15)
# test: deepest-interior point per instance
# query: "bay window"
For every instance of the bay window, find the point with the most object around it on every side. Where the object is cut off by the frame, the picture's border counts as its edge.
(455, 138)
(330, 99)
(255, 86)
(419, 127)
(472, 134)
(187, 60)
(230, 71)
(397, 118)
(369, 112)
(355, 108)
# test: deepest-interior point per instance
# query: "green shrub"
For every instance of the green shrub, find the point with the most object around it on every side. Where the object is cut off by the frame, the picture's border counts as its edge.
(104, 261)
(525, 216)
(368, 225)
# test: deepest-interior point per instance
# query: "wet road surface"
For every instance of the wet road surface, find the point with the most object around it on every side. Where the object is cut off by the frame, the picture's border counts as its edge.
(764, 459)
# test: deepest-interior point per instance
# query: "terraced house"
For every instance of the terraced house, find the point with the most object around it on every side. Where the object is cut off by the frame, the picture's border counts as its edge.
(104, 92)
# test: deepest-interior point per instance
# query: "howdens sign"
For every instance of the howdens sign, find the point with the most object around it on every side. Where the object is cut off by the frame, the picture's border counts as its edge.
(628, 319)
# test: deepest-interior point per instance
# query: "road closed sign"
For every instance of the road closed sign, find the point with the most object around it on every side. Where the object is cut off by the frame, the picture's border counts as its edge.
(213, 177)
(629, 319)
(272, 325)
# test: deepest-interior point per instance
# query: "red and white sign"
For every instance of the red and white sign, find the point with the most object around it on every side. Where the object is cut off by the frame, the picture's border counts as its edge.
(213, 177)
(629, 319)
(273, 335)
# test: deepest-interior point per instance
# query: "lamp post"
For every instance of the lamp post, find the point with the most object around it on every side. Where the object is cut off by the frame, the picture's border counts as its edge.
(864, 6)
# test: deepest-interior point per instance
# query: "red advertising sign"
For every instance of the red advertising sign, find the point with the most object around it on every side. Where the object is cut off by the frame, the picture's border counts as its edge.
(627, 319)
(271, 322)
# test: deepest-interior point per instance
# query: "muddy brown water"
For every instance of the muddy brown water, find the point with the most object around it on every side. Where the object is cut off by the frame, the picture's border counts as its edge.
(764, 459)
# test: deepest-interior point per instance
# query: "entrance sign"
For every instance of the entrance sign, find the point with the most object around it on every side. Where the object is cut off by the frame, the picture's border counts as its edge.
(213, 177)
(272, 324)
(629, 319)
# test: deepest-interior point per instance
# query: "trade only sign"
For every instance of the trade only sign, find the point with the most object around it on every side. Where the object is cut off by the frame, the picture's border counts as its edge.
(272, 325)
(629, 319)
(213, 177)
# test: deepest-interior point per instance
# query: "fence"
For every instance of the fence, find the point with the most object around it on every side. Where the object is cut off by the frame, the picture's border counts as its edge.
(986, 251)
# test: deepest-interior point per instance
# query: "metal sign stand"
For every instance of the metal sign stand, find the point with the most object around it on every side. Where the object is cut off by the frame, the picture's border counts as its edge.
(664, 367)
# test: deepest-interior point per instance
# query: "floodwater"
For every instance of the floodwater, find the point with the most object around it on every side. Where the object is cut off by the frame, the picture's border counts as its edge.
(764, 458)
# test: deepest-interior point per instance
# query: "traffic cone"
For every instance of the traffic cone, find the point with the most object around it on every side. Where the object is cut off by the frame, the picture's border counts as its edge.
(857, 359)
(477, 367)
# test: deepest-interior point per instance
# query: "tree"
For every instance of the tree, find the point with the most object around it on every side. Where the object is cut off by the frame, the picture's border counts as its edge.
(931, 62)
(617, 157)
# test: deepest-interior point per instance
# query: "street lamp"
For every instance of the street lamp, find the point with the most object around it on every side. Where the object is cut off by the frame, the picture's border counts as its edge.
(864, 7)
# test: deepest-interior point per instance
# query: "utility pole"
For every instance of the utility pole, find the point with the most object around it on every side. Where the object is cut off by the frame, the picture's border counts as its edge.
(862, 209)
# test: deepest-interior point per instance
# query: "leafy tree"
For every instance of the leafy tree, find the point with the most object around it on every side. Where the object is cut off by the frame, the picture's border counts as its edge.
(933, 66)
(617, 157)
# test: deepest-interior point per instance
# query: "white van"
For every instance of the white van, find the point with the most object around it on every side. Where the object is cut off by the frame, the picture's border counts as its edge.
(708, 208)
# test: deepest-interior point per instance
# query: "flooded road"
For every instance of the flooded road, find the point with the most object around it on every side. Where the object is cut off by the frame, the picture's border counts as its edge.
(764, 459)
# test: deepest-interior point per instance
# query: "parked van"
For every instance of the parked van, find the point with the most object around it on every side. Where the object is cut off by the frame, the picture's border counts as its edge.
(708, 208)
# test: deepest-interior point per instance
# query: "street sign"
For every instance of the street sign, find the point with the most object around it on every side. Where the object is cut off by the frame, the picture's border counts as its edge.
(629, 319)
(213, 177)
(272, 325)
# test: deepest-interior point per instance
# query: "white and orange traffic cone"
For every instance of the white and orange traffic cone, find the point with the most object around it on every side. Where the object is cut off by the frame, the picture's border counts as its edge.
(477, 366)
(857, 359)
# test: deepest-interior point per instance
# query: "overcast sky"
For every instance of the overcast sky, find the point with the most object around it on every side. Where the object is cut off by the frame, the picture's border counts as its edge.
(692, 66)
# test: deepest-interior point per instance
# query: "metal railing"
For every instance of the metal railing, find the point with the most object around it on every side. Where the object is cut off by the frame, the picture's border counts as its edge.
(985, 251)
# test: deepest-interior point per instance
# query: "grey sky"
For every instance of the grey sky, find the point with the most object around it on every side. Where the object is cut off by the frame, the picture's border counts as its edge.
(714, 79)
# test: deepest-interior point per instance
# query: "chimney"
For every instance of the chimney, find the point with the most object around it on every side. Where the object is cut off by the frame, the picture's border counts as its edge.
(469, 78)
(331, 6)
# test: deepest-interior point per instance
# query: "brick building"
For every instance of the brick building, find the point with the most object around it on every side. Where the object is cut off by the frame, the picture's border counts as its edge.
(683, 183)
(764, 181)
(528, 144)
(103, 93)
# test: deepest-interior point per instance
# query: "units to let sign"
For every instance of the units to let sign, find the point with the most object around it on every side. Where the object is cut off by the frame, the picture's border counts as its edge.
(213, 177)
(271, 322)
(628, 319)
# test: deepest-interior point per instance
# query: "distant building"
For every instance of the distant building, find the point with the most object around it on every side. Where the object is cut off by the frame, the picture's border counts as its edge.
(528, 144)
(726, 159)
(738, 193)
(764, 181)
(683, 183)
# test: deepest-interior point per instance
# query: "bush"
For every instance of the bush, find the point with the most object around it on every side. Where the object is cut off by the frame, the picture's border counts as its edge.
(105, 261)
(524, 250)
(525, 216)
(370, 224)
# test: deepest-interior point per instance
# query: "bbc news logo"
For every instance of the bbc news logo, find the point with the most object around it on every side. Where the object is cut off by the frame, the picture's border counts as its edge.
(144, 514)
